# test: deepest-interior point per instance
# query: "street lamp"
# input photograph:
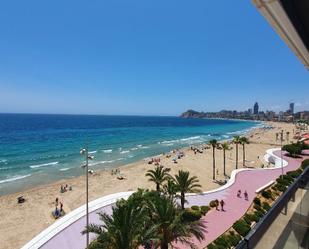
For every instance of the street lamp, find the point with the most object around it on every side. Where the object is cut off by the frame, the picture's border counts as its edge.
(281, 140)
(85, 153)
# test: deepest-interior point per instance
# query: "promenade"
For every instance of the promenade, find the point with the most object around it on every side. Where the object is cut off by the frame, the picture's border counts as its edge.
(66, 233)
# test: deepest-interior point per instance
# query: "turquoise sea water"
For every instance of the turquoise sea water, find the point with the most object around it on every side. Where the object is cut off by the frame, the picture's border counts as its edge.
(37, 149)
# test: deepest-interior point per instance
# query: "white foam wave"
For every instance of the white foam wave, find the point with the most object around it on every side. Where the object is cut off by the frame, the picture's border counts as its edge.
(108, 151)
(64, 169)
(4, 161)
(14, 178)
(92, 152)
(190, 138)
(124, 152)
(43, 165)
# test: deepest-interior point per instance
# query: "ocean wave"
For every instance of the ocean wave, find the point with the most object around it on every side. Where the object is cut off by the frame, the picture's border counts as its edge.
(92, 152)
(135, 148)
(43, 165)
(4, 161)
(108, 151)
(124, 152)
(15, 178)
(64, 169)
(190, 138)
(145, 147)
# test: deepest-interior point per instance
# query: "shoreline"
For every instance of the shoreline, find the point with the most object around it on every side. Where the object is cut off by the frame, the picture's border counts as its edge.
(21, 189)
(39, 200)
(245, 132)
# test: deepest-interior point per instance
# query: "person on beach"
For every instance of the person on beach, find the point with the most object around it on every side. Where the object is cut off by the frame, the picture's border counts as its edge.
(239, 193)
(222, 205)
(246, 195)
(61, 207)
(56, 201)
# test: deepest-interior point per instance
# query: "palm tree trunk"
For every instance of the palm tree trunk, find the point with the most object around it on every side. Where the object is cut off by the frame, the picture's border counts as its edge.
(158, 187)
(182, 200)
(243, 155)
(213, 163)
(224, 162)
(164, 245)
(236, 156)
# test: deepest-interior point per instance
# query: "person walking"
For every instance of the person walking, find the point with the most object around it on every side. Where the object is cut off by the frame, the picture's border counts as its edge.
(239, 193)
(222, 205)
(246, 195)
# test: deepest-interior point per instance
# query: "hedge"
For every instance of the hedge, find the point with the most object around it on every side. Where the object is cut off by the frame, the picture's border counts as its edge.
(214, 203)
(204, 210)
(191, 215)
(281, 187)
(257, 201)
(283, 181)
(305, 164)
(266, 194)
(241, 227)
(196, 208)
(266, 206)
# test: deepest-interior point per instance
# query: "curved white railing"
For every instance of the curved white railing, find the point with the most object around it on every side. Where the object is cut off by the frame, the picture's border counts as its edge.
(78, 213)
(71, 217)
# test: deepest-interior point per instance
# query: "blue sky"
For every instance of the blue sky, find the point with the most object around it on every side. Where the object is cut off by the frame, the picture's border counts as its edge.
(143, 57)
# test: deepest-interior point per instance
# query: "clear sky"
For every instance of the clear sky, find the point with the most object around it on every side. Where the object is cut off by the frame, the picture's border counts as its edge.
(143, 57)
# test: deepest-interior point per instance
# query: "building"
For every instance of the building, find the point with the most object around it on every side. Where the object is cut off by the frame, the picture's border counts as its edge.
(256, 108)
(292, 108)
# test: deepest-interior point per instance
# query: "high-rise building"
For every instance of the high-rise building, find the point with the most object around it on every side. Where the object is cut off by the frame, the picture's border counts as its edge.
(292, 108)
(256, 108)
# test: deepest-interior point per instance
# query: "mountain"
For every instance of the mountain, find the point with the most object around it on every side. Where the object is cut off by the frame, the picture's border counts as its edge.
(193, 114)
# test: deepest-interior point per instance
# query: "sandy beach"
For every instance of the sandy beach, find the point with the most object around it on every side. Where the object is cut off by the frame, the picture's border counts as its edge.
(21, 222)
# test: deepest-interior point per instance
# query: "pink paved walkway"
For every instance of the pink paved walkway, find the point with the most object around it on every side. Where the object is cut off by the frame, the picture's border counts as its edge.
(216, 221)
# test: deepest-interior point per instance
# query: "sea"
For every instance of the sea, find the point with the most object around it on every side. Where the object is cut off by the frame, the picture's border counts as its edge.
(38, 148)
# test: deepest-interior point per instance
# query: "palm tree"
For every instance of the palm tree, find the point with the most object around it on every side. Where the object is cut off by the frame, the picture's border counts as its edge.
(225, 146)
(185, 183)
(121, 230)
(287, 136)
(170, 188)
(158, 175)
(214, 144)
(236, 141)
(169, 224)
(244, 141)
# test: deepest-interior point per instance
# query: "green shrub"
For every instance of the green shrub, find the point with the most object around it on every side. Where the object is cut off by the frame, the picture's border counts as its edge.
(283, 181)
(247, 218)
(288, 178)
(196, 208)
(259, 208)
(266, 194)
(211, 246)
(257, 201)
(292, 149)
(258, 213)
(281, 187)
(191, 215)
(241, 227)
(214, 203)
(222, 241)
(204, 209)
(266, 206)
(233, 239)
(255, 217)
(305, 164)
(274, 188)
(295, 173)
